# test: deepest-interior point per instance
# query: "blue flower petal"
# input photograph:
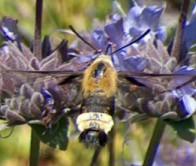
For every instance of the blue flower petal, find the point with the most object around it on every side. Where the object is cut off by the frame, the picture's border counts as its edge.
(151, 16)
(132, 19)
(193, 15)
(117, 60)
(99, 39)
(190, 33)
(8, 29)
(187, 106)
(186, 89)
(115, 31)
(134, 14)
(139, 19)
(186, 70)
(135, 64)
(49, 100)
(135, 32)
(161, 33)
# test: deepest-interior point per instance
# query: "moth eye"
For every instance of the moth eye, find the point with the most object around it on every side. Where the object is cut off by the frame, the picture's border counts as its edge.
(99, 71)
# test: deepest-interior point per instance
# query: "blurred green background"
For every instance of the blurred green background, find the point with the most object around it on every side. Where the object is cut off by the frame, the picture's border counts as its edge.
(58, 14)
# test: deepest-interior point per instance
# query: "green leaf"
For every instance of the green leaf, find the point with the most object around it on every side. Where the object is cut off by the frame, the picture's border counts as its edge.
(56, 136)
(185, 129)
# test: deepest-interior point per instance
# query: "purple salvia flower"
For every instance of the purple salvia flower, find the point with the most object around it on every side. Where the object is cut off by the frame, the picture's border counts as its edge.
(187, 105)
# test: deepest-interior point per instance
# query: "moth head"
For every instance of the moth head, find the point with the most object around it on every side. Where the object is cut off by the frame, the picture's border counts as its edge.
(106, 59)
(100, 78)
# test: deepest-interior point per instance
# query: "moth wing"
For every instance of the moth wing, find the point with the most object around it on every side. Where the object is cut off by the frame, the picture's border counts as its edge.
(157, 95)
(37, 95)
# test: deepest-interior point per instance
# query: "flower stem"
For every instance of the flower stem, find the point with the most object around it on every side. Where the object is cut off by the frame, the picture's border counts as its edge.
(34, 149)
(38, 29)
(94, 161)
(111, 150)
(154, 142)
(179, 35)
(35, 141)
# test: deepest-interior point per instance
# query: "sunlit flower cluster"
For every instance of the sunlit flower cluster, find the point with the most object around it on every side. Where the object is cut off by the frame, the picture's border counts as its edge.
(43, 100)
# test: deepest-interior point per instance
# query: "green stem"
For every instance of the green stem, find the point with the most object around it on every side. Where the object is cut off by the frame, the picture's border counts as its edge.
(34, 149)
(94, 161)
(111, 148)
(154, 142)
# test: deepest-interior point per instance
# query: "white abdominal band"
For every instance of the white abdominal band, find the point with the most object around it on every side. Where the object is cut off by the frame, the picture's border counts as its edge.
(94, 120)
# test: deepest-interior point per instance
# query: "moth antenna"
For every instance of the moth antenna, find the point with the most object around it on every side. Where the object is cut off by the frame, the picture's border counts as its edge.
(132, 42)
(81, 38)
